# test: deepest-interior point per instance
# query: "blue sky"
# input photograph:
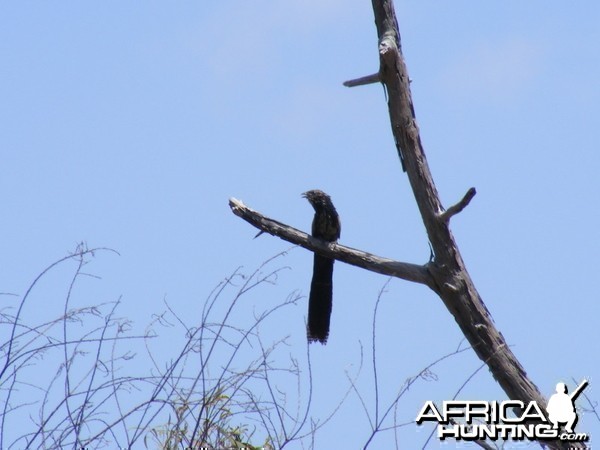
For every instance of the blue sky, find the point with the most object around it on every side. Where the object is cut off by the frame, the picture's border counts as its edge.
(130, 125)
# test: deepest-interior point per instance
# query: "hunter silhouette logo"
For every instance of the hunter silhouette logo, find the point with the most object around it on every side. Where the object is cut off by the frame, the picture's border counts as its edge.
(561, 406)
(507, 420)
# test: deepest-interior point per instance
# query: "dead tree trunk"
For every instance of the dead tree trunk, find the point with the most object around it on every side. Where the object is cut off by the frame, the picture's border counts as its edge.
(446, 274)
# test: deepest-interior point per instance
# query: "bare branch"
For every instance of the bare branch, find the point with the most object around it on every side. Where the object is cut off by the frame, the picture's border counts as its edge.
(369, 79)
(81, 400)
(462, 204)
(456, 288)
(385, 266)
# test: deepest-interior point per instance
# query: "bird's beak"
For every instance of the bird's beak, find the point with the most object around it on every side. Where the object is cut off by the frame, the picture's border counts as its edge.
(304, 194)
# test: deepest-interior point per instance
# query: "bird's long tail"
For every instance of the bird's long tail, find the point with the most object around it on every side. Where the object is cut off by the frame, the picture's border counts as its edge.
(320, 300)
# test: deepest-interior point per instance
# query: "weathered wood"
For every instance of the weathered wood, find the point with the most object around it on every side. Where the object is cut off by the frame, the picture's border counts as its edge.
(446, 274)
(462, 204)
(369, 79)
(374, 263)
(454, 284)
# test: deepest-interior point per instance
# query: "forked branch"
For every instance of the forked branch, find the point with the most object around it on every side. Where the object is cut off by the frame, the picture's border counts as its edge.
(446, 274)
(456, 289)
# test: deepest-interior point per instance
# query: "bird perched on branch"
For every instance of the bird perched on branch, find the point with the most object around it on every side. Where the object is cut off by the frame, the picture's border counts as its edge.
(326, 226)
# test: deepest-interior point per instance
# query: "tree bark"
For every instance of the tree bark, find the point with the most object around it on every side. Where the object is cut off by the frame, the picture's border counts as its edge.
(446, 274)
(454, 284)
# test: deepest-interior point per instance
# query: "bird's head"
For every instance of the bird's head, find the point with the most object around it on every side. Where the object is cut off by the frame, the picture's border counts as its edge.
(316, 197)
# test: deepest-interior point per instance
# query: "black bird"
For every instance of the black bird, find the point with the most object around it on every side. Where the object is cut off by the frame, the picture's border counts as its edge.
(326, 226)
